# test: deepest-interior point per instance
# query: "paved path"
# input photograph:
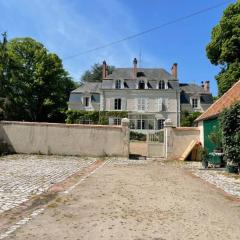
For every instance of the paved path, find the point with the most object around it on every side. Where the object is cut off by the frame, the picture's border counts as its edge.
(137, 200)
(23, 176)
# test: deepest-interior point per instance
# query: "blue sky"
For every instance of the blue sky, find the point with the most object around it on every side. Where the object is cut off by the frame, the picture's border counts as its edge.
(69, 27)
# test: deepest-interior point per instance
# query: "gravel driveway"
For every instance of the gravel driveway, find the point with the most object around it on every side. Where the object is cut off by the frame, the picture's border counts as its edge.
(137, 200)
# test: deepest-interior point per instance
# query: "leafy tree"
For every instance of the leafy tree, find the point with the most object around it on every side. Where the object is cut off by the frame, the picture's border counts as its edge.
(37, 84)
(224, 48)
(95, 74)
(187, 119)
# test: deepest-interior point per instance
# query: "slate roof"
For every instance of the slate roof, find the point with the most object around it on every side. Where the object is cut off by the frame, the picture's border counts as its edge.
(149, 73)
(194, 90)
(231, 96)
(89, 87)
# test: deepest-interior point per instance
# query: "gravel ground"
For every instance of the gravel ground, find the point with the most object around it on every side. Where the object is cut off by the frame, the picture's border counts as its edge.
(137, 200)
(229, 183)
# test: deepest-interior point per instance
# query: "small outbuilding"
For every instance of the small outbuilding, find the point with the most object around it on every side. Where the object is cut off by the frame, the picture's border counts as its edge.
(210, 118)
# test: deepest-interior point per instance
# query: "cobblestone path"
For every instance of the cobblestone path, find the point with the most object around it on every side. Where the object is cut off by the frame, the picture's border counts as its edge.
(23, 176)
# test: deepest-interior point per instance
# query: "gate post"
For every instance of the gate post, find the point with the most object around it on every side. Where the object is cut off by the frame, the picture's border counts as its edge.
(168, 141)
(126, 136)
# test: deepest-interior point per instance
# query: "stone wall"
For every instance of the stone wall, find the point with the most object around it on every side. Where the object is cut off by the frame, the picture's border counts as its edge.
(63, 139)
(178, 139)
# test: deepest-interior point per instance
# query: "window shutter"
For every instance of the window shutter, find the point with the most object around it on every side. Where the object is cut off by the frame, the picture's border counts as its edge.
(146, 104)
(111, 121)
(111, 101)
(166, 102)
(160, 103)
(124, 104)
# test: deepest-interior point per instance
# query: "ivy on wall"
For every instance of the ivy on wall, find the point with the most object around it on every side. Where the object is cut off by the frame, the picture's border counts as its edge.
(92, 117)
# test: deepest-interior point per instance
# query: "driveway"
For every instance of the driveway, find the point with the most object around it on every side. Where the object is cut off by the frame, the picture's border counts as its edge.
(136, 200)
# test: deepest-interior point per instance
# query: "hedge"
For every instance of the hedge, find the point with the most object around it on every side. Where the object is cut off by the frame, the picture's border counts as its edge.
(230, 121)
(93, 117)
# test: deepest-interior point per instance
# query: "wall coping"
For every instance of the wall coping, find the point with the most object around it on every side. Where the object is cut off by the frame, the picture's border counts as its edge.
(187, 128)
(61, 125)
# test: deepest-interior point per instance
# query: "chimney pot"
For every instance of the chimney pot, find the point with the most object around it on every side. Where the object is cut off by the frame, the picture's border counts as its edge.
(207, 86)
(175, 70)
(135, 67)
(104, 69)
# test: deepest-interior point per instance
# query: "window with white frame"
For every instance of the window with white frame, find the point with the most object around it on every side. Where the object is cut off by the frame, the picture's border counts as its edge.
(194, 102)
(141, 84)
(161, 84)
(117, 121)
(117, 104)
(141, 104)
(160, 124)
(118, 84)
(86, 101)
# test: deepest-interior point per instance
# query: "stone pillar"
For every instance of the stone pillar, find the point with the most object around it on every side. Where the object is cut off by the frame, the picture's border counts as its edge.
(168, 138)
(126, 136)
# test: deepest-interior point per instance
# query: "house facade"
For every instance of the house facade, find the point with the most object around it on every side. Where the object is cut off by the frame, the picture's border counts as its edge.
(148, 95)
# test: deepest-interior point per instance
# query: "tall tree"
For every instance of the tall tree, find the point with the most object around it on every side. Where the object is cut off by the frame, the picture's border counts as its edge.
(95, 74)
(38, 86)
(224, 48)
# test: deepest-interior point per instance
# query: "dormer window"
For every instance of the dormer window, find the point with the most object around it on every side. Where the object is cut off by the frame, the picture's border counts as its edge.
(161, 84)
(141, 84)
(118, 84)
(194, 102)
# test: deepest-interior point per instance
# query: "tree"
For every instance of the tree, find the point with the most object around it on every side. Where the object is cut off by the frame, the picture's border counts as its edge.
(224, 48)
(187, 119)
(37, 85)
(230, 122)
(95, 74)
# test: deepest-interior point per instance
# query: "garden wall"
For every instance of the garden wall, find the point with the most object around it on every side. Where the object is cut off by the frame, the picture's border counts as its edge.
(178, 139)
(64, 139)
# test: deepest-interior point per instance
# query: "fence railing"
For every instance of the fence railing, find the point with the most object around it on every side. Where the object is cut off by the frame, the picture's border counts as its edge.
(156, 137)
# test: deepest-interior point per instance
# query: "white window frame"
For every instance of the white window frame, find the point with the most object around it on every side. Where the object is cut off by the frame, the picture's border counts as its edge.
(195, 103)
(141, 104)
(117, 121)
(118, 84)
(116, 104)
(161, 85)
(142, 81)
(84, 101)
(161, 124)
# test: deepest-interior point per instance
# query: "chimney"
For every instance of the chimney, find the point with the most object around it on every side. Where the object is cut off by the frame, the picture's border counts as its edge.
(174, 70)
(207, 86)
(104, 69)
(134, 68)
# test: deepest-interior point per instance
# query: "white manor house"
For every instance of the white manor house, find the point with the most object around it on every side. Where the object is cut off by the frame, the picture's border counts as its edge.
(149, 95)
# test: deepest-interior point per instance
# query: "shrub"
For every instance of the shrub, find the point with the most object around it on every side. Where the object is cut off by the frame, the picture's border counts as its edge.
(137, 136)
(187, 119)
(216, 137)
(230, 121)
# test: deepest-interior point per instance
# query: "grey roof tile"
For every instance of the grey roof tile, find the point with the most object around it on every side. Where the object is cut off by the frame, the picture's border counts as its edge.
(91, 87)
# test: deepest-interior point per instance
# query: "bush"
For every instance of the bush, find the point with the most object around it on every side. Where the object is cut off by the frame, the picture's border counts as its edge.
(137, 136)
(216, 137)
(187, 119)
(92, 117)
(76, 116)
(230, 121)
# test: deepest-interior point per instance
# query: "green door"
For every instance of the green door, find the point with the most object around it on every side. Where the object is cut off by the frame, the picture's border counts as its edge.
(208, 128)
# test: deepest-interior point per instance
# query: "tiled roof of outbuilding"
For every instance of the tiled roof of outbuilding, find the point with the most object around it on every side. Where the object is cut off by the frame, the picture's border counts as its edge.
(231, 96)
